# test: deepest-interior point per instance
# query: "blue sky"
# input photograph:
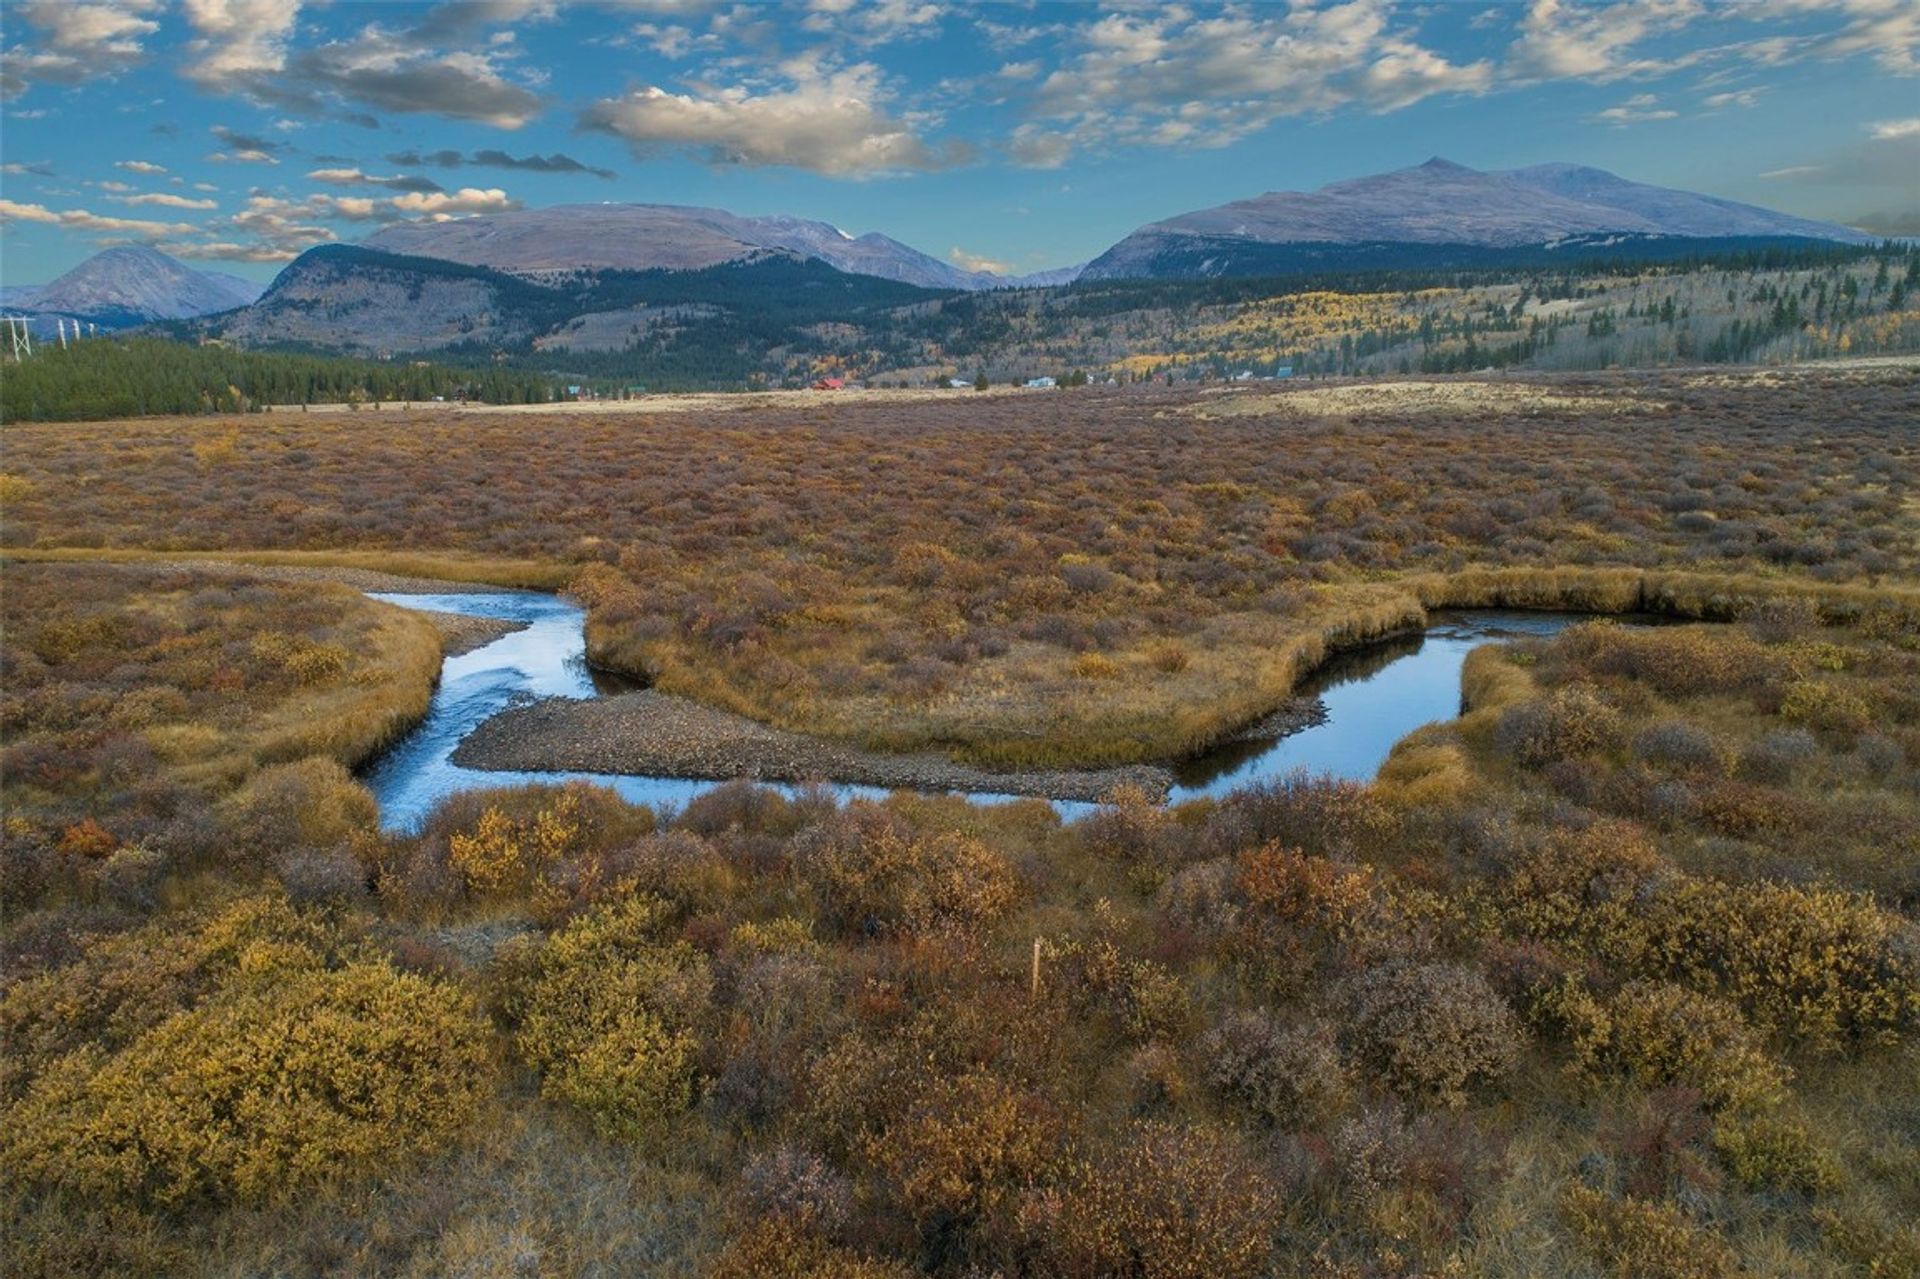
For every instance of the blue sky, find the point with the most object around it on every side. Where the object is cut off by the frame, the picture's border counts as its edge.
(238, 133)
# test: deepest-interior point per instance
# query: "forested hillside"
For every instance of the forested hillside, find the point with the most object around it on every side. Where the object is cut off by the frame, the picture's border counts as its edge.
(105, 378)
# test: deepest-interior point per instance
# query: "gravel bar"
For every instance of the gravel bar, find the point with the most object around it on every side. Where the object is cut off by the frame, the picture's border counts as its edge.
(655, 734)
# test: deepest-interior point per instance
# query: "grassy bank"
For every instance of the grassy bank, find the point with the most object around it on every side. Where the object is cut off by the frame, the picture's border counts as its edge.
(132, 684)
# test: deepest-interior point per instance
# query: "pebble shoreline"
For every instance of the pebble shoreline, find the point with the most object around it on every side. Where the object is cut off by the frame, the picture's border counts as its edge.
(657, 734)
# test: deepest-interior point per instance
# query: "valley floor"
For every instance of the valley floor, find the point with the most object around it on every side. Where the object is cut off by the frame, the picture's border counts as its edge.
(1615, 975)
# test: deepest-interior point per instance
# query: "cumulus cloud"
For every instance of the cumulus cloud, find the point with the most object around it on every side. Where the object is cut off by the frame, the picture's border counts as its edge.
(1641, 108)
(975, 262)
(237, 40)
(73, 41)
(1893, 130)
(1561, 39)
(247, 47)
(243, 148)
(140, 166)
(1170, 77)
(492, 159)
(882, 21)
(165, 200)
(23, 168)
(833, 122)
(385, 71)
(356, 178)
(83, 220)
(442, 205)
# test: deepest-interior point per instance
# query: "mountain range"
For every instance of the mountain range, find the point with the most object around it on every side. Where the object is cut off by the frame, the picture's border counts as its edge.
(644, 237)
(1445, 214)
(130, 285)
(603, 278)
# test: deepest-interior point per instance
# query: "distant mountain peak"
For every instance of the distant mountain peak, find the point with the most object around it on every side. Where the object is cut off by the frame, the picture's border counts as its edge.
(1463, 214)
(135, 284)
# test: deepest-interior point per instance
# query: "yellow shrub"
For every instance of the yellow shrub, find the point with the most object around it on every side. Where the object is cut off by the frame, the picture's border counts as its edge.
(607, 1015)
(1823, 705)
(1762, 1150)
(1095, 666)
(503, 853)
(1657, 1033)
(1636, 1239)
(1824, 966)
(273, 1084)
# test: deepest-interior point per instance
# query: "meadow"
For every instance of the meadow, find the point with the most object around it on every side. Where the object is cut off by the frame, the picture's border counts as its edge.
(1615, 976)
(1618, 974)
(1085, 576)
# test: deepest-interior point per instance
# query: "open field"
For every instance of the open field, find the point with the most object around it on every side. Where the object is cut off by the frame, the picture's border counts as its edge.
(1071, 578)
(1615, 976)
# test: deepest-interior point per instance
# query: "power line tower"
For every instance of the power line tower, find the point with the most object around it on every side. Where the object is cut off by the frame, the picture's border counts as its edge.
(19, 335)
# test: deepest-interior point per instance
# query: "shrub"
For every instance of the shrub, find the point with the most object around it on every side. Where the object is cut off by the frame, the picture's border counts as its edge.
(798, 1187)
(1638, 1239)
(292, 1074)
(1825, 705)
(1659, 1034)
(503, 853)
(1828, 968)
(1285, 886)
(777, 1249)
(608, 1013)
(1780, 756)
(312, 803)
(1159, 1202)
(1678, 747)
(1569, 723)
(963, 1150)
(1433, 1029)
(871, 875)
(1321, 816)
(1772, 1150)
(1288, 1076)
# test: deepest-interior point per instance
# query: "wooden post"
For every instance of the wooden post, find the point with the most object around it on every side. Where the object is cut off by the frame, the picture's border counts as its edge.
(1034, 985)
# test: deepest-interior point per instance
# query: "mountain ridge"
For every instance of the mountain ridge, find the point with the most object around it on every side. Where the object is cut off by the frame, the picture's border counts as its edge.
(642, 237)
(134, 284)
(1449, 206)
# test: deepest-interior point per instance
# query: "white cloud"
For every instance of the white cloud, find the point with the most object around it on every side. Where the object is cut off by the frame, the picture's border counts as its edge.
(1888, 130)
(831, 122)
(140, 166)
(75, 41)
(357, 178)
(1732, 98)
(878, 22)
(82, 220)
(975, 262)
(1641, 108)
(166, 201)
(441, 205)
(1563, 39)
(1170, 78)
(237, 38)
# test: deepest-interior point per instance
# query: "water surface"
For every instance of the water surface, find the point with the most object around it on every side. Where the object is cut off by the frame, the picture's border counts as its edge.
(1374, 697)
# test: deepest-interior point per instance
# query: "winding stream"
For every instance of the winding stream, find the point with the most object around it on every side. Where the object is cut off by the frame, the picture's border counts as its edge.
(1373, 696)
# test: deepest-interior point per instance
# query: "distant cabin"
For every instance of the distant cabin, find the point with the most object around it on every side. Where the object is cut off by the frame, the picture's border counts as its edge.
(828, 383)
(1041, 382)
